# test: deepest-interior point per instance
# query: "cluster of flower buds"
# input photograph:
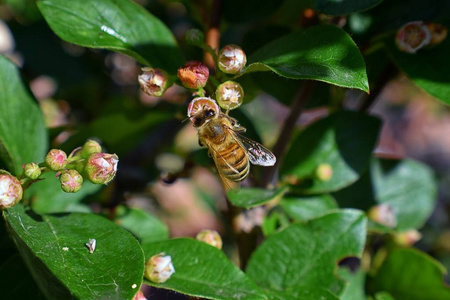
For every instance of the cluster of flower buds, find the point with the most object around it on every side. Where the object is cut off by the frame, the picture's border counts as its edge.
(159, 268)
(416, 35)
(84, 162)
(210, 237)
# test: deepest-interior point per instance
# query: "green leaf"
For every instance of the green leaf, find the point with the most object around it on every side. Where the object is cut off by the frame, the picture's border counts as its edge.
(203, 271)
(383, 296)
(53, 247)
(355, 289)
(324, 53)
(47, 196)
(427, 68)
(408, 187)
(249, 197)
(117, 25)
(143, 225)
(307, 254)
(339, 7)
(18, 283)
(343, 140)
(23, 137)
(307, 208)
(303, 293)
(413, 275)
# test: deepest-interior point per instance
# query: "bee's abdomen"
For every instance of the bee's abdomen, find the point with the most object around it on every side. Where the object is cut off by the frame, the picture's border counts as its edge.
(235, 157)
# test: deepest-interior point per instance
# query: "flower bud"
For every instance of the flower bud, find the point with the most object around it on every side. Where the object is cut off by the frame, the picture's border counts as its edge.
(90, 147)
(438, 33)
(407, 238)
(230, 95)
(413, 36)
(193, 75)
(232, 59)
(383, 214)
(153, 82)
(10, 191)
(195, 37)
(210, 237)
(101, 168)
(32, 170)
(71, 181)
(56, 159)
(159, 268)
(324, 172)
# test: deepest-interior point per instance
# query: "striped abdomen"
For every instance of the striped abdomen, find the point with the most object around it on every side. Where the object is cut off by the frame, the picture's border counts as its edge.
(232, 162)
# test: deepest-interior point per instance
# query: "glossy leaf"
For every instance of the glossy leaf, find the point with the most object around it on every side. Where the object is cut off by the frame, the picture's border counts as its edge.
(383, 296)
(48, 197)
(249, 197)
(411, 274)
(344, 141)
(23, 137)
(203, 271)
(339, 7)
(146, 227)
(408, 187)
(307, 208)
(53, 247)
(324, 53)
(303, 293)
(307, 254)
(427, 68)
(117, 25)
(355, 289)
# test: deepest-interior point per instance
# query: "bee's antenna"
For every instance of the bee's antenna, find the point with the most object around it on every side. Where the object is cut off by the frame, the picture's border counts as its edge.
(185, 120)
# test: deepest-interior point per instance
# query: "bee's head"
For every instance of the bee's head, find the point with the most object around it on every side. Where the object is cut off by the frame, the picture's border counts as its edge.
(201, 110)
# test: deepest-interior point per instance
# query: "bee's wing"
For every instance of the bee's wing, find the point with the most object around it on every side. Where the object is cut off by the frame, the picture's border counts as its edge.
(257, 153)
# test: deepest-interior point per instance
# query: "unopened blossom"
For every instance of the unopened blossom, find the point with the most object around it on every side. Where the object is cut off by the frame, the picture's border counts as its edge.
(10, 191)
(56, 159)
(32, 170)
(413, 36)
(153, 82)
(71, 181)
(159, 268)
(407, 238)
(230, 95)
(90, 147)
(231, 59)
(101, 168)
(211, 237)
(438, 33)
(383, 214)
(193, 75)
(324, 172)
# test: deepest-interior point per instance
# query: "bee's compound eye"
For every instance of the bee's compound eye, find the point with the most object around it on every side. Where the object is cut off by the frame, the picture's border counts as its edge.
(209, 113)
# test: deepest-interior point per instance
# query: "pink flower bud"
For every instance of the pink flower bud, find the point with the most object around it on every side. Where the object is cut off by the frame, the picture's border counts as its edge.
(90, 147)
(438, 33)
(159, 268)
(10, 191)
(232, 59)
(230, 95)
(324, 172)
(71, 181)
(211, 237)
(153, 82)
(383, 214)
(413, 36)
(56, 159)
(407, 238)
(193, 75)
(101, 168)
(32, 170)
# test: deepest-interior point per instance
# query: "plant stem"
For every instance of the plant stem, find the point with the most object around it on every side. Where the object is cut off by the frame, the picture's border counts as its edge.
(213, 34)
(286, 131)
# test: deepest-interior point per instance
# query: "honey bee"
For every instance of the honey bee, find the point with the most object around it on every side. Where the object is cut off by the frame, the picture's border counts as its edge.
(221, 134)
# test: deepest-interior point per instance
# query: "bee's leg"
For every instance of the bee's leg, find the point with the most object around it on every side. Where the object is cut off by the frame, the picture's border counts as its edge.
(200, 143)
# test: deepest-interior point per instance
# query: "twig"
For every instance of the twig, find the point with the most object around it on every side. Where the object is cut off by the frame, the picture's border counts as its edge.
(286, 132)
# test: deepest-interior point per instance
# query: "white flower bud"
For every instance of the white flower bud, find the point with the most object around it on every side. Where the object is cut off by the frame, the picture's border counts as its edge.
(159, 268)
